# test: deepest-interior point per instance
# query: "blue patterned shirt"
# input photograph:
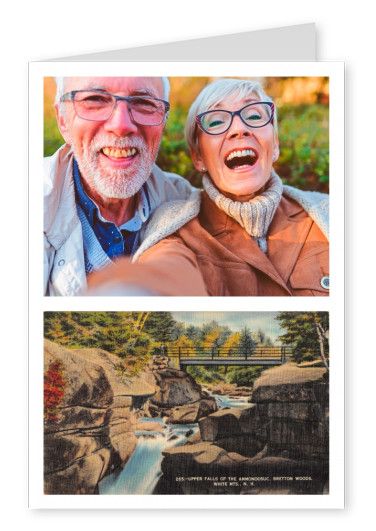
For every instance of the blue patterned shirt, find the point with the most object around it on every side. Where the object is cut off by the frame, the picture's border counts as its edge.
(115, 241)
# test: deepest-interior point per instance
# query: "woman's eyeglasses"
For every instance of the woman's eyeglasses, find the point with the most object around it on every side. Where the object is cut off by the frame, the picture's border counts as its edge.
(219, 121)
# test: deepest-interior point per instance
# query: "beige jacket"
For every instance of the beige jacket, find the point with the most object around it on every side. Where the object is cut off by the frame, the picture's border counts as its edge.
(64, 266)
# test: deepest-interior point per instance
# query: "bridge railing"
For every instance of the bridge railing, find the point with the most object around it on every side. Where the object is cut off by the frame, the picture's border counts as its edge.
(213, 353)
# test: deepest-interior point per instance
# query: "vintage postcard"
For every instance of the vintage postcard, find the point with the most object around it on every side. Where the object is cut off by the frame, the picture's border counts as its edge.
(182, 403)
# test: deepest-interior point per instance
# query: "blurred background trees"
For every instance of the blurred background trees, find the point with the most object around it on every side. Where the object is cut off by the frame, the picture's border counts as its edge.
(303, 124)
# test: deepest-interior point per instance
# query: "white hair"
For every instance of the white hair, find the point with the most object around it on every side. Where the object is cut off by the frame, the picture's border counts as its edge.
(60, 84)
(216, 92)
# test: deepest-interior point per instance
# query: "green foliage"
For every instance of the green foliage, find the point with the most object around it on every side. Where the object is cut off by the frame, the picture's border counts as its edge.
(302, 333)
(244, 377)
(304, 146)
(159, 325)
(193, 333)
(246, 343)
(204, 375)
(52, 137)
(174, 155)
(114, 332)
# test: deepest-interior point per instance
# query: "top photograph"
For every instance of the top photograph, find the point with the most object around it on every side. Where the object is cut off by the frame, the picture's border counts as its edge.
(186, 186)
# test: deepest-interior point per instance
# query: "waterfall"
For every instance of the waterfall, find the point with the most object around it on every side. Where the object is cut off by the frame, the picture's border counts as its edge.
(143, 470)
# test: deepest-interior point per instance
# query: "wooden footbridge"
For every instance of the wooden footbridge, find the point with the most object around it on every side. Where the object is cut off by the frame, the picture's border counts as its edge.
(183, 357)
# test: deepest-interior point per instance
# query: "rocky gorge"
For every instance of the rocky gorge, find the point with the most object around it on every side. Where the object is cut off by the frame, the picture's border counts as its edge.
(93, 431)
(279, 443)
(280, 433)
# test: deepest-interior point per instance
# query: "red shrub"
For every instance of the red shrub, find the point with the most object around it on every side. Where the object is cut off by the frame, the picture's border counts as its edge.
(53, 390)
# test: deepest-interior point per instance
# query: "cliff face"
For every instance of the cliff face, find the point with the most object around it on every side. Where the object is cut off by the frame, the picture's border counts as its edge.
(91, 432)
(279, 443)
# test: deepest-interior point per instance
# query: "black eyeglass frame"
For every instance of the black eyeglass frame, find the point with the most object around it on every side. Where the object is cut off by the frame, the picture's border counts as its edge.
(236, 113)
(71, 96)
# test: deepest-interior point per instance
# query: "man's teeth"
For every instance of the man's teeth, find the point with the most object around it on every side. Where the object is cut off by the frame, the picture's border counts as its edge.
(119, 153)
(241, 153)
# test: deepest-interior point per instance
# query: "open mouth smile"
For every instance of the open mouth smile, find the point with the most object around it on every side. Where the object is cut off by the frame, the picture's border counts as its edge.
(241, 158)
(116, 153)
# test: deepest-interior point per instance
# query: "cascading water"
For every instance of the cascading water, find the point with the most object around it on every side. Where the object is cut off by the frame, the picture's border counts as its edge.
(141, 473)
(143, 470)
(231, 401)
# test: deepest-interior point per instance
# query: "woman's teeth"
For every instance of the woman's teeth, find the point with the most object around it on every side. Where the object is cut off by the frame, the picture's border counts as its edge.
(241, 153)
(119, 153)
(241, 158)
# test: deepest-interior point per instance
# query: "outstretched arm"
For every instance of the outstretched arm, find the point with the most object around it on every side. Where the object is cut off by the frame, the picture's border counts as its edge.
(168, 268)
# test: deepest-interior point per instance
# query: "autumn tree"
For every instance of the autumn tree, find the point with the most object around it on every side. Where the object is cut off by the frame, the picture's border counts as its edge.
(231, 345)
(186, 345)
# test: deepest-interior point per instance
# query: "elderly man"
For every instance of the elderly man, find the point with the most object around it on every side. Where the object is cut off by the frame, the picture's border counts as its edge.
(102, 186)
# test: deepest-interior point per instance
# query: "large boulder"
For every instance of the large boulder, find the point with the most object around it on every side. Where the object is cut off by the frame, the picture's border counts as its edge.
(175, 388)
(189, 413)
(293, 408)
(279, 444)
(137, 386)
(291, 383)
(228, 423)
(179, 399)
(90, 433)
(206, 468)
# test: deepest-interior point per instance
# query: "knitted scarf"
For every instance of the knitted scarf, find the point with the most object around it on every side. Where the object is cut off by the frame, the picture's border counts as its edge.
(255, 215)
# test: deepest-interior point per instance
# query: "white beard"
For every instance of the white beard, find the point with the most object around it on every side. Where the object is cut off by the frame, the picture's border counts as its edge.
(115, 183)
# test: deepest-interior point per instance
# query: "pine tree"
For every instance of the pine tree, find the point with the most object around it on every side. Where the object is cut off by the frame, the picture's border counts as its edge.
(246, 343)
(302, 333)
(159, 326)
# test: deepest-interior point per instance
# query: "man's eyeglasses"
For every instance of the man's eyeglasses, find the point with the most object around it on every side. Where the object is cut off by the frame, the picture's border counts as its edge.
(98, 106)
(253, 115)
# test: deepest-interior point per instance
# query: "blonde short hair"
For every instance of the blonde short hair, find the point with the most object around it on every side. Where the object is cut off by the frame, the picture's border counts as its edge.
(216, 92)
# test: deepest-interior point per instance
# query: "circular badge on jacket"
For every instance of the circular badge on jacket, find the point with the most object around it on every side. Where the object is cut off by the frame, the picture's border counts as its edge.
(325, 282)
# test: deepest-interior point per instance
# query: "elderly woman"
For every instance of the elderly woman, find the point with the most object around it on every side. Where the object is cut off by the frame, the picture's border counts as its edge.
(247, 234)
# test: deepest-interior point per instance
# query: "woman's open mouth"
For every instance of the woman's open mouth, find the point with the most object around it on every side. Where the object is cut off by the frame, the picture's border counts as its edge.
(241, 158)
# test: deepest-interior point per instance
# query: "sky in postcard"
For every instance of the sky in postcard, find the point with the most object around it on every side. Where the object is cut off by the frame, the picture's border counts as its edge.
(235, 320)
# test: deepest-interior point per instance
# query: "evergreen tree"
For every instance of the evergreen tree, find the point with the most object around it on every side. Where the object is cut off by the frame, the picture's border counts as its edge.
(193, 333)
(177, 331)
(246, 343)
(159, 326)
(307, 332)
(261, 336)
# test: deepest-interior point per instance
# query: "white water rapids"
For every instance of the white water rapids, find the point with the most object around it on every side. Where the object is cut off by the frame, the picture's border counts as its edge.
(143, 470)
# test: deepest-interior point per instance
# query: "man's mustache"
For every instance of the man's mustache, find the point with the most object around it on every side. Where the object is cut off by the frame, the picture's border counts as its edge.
(103, 141)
